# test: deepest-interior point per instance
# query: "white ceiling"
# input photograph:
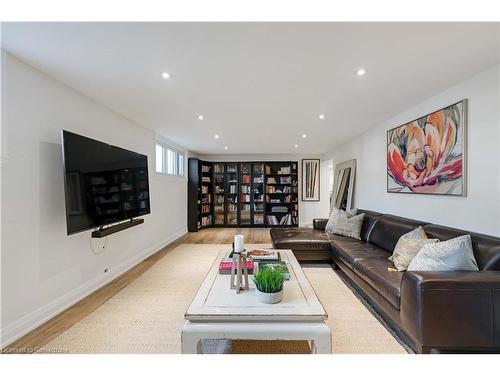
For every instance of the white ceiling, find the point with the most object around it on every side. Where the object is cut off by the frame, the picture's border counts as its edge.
(258, 85)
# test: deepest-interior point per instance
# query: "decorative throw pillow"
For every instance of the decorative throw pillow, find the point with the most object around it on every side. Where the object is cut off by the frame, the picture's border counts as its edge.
(452, 255)
(408, 246)
(349, 226)
(334, 216)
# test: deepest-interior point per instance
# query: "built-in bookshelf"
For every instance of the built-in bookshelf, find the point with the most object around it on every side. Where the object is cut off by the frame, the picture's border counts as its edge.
(200, 194)
(281, 181)
(243, 194)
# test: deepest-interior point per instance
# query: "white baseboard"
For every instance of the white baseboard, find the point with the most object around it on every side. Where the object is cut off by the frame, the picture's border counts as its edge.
(32, 320)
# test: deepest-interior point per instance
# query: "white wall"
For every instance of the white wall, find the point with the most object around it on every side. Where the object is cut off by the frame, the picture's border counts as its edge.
(44, 270)
(307, 210)
(480, 209)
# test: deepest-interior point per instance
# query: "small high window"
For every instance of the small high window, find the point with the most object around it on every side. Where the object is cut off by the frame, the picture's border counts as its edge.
(168, 160)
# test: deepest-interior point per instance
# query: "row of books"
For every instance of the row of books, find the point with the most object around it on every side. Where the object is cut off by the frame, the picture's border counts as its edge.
(278, 190)
(281, 180)
(206, 220)
(279, 209)
(245, 179)
(205, 168)
(244, 198)
(286, 199)
(281, 170)
(205, 208)
(206, 179)
(205, 189)
(245, 189)
(258, 180)
(285, 220)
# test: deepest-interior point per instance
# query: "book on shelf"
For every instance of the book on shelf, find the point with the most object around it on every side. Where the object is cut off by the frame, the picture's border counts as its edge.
(271, 181)
(258, 180)
(285, 220)
(206, 179)
(205, 189)
(205, 208)
(279, 209)
(245, 189)
(245, 179)
(286, 180)
(258, 219)
(274, 190)
(205, 168)
(206, 220)
(244, 198)
(284, 170)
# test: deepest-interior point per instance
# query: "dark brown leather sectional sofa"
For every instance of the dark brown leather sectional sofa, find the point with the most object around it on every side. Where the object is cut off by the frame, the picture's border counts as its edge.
(455, 311)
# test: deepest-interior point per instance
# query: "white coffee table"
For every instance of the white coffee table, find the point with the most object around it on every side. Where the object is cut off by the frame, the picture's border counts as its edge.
(217, 312)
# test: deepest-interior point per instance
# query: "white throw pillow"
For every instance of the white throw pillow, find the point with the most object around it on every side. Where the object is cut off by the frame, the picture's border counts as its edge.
(335, 215)
(452, 255)
(349, 226)
(408, 246)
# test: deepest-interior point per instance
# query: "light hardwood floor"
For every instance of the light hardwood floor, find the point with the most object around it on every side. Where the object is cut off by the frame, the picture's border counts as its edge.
(65, 320)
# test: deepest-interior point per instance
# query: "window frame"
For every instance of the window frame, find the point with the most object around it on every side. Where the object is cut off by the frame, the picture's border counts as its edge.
(179, 167)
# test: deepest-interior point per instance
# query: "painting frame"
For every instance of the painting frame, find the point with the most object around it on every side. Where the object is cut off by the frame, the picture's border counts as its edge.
(310, 180)
(460, 108)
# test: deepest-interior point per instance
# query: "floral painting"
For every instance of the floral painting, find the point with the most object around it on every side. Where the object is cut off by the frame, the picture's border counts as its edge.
(427, 156)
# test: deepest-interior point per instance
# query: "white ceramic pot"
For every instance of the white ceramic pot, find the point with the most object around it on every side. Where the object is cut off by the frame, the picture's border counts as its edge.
(269, 297)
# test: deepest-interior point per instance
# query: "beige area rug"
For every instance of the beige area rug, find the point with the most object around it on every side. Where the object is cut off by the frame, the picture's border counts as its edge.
(147, 315)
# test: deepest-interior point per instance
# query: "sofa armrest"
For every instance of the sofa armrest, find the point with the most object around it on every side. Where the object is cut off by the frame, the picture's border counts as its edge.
(452, 309)
(320, 224)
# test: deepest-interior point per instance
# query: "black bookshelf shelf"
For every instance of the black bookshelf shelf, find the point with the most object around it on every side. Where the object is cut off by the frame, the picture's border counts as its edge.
(238, 195)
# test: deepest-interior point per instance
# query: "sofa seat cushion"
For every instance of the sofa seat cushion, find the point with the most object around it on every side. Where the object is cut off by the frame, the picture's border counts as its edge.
(350, 250)
(300, 239)
(375, 272)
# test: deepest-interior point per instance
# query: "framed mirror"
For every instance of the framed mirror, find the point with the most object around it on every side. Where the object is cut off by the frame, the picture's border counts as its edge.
(343, 185)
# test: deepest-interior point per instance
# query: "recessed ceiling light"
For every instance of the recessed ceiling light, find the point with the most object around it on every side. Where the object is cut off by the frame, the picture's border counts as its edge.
(295, 146)
(321, 117)
(200, 117)
(361, 72)
(165, 75)
(216, 136)
(225, 147)
(304, 135)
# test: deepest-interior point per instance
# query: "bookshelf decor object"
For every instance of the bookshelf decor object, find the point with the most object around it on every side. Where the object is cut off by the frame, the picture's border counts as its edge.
(310, 180)
(242, 194)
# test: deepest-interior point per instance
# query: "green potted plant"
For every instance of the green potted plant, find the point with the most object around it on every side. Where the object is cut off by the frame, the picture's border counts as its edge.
(269, 285)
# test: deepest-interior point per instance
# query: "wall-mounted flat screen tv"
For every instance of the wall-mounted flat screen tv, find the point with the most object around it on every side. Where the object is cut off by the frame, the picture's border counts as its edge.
(104, 184)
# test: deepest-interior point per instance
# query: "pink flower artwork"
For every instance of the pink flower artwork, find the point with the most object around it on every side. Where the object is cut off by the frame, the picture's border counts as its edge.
(427, 155)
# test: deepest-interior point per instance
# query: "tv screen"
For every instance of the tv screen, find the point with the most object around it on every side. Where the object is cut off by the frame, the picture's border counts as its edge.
(104, 184)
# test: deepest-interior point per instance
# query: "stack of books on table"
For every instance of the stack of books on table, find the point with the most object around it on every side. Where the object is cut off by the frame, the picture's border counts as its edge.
(264, 254)
(226, 264)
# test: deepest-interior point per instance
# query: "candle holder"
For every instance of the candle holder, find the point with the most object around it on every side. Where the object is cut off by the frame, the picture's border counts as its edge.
(239, 272)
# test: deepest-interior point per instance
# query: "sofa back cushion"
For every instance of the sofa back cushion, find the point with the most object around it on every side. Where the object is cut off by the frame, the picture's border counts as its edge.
(368, 223)
(486, 248)
(389, 228)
